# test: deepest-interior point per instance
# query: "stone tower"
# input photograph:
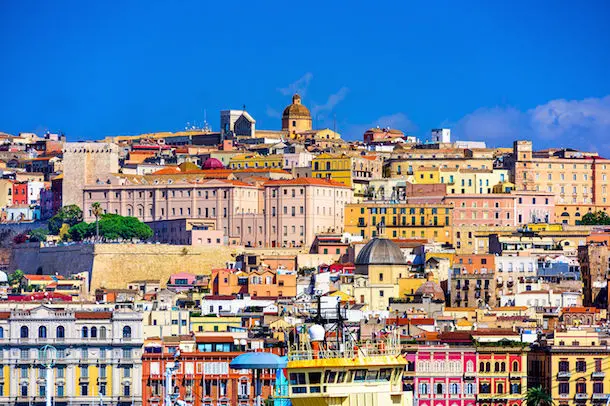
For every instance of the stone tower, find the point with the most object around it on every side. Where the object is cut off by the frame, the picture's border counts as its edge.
(86, 163)
(296, 117)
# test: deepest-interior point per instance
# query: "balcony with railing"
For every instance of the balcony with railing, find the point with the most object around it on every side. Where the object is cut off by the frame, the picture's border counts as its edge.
(598, 375)
(561, 375)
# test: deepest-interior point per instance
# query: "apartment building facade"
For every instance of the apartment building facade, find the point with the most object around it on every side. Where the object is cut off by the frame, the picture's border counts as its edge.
(98, 356)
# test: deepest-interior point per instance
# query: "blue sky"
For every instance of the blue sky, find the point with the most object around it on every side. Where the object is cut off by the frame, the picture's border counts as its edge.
(492, 71)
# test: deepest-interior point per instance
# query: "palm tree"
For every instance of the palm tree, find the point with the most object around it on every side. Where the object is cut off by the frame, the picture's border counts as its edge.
(96, 208)
(538, 397)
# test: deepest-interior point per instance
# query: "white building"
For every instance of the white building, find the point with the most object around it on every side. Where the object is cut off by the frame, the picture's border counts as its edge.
(542, 298)
(98, 357)
(441, 135)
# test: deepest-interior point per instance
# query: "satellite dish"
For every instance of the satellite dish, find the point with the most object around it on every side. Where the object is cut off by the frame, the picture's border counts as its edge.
(317, 333)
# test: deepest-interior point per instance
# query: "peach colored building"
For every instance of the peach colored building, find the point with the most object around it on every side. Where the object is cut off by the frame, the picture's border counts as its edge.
(280, 213)
(263, 283)
(574, 177)
(484, 210)
(298, 209)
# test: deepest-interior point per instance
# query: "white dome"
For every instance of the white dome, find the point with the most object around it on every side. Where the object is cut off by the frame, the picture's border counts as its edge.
(3, 277)
(317, 333)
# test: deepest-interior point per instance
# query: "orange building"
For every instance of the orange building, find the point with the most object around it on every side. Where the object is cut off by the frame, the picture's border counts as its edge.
(203, 376)
(502, 374)
(475, 263)
(263, 282)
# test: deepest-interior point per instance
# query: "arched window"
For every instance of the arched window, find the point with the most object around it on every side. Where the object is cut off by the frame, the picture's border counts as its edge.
(93, 332)
(42, 332)
(103, 333)
(85, 332)
(503, 366)
(60, 332)
(500, 388)
(481, 367)
(497, 367)
(25, 332)
(440, 389)
(515, 366)
(488, 367)
(126, 332)
(470, 366)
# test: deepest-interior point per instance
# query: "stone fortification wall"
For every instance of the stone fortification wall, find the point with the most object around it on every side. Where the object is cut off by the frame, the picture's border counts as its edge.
(114, 265)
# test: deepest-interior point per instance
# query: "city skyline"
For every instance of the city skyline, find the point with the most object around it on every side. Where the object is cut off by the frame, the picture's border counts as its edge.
(492, 73)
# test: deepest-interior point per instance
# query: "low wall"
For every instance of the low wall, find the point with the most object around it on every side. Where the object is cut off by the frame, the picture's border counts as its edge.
(114, 265)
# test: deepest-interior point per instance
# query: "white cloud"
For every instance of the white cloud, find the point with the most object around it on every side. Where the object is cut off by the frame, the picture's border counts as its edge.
(580, 124)
(398, 121)
(299, 86)
(331, 102)
(273, 113)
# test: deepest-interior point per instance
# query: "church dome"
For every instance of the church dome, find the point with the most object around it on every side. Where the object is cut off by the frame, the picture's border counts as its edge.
(188, 166)
(296, 109)
(431, 289)
(381, 251)
(213, 163)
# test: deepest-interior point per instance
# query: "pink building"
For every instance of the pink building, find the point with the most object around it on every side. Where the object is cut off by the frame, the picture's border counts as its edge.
(535, 207)
(182, 281)
(298, 209)
(445, 374)
(280, 213)
(502, 209)
(483, 210)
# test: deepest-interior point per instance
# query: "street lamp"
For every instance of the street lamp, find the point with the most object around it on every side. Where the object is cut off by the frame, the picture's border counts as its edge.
(48, 353)
(169, 387)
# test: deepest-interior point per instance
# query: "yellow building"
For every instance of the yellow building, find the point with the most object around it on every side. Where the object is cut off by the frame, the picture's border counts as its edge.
(408, 286)
(426, 176)
(430, 221)
(201, 324)
(98, 355)
(353, 171)
(471, 180)
(573, 213)
(404, 163)
(573, 367)
(6, 192)
(255, 161)
(332, 166)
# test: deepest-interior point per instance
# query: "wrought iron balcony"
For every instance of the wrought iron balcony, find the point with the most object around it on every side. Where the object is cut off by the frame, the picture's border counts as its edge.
(564, 375)
(598, 375)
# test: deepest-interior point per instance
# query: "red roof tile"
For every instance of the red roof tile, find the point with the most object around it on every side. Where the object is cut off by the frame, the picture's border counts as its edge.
(92, 315)
(305, 181)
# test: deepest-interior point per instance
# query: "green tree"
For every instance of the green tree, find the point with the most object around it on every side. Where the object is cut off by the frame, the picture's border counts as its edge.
(596, 218)
(112, 227)
(15, 278)
(80, 231)
(69, 215)
(538, 397)
(38, 234)
(96, 209)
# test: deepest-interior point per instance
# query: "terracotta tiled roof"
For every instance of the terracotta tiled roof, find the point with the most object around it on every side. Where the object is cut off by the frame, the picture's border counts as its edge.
(5, 315)
(93, 315)
(167, 171)
(42, 277)
(304, 182)
(580, 309)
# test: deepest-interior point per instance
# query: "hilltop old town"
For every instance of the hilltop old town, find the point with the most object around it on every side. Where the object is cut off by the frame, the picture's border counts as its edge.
(248, 266)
